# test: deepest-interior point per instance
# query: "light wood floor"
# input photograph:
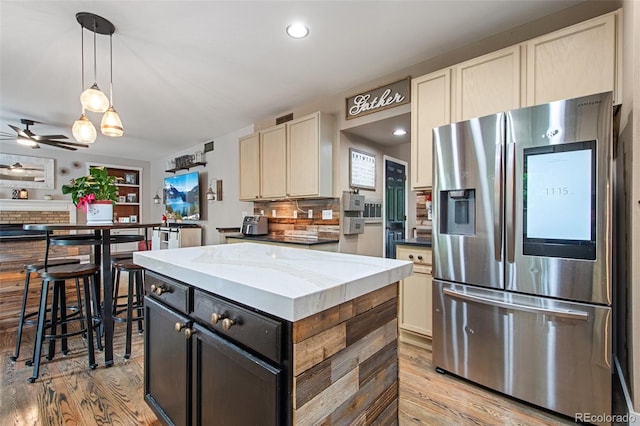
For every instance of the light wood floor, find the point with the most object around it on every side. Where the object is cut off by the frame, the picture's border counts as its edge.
(68, 393)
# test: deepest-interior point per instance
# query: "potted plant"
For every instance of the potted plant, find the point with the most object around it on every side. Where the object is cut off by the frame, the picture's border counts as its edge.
(94, 194)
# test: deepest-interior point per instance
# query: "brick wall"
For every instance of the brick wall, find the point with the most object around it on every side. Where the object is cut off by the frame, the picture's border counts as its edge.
(14, 254)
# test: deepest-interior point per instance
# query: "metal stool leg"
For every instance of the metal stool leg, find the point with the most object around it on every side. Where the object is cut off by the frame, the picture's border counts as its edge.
(23, 307)
(37, 349)
(54, 318)
(89, 321)
(127, 350)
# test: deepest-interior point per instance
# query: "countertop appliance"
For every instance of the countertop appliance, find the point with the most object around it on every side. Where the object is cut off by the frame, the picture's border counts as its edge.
(255, 225)
(522, 237)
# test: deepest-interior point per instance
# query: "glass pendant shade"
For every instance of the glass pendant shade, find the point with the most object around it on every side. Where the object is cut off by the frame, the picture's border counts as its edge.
(83, 130)
(94, 100)
(111, 124)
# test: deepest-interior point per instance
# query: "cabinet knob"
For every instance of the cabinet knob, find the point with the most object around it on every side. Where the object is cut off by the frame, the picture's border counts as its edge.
(188, 332)
(419, 257)
(158, 289)
(410, 256)
(180, 325)
(227, 323)
(215, 317)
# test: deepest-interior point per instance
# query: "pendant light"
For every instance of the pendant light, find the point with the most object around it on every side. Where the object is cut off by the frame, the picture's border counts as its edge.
(83, 130)
(111, 124)
(93, 99)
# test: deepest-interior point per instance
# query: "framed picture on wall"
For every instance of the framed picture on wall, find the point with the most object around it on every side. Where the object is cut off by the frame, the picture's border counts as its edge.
(130, 178)
(362, 169)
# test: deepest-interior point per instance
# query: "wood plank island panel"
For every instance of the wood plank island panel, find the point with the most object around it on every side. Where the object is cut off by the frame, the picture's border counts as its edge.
(346, 362)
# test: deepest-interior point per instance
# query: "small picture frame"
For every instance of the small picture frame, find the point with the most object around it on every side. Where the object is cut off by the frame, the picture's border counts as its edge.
(123, 219)
(131, 198)
(133, 218)
(122, 199)
(130, 179)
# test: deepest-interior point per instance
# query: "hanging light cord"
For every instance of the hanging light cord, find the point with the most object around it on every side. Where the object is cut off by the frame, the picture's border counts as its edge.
(82, 56)
(95, 66)
(111, 67)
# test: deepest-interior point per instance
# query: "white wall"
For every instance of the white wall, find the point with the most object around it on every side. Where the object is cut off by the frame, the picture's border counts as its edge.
(222, 163)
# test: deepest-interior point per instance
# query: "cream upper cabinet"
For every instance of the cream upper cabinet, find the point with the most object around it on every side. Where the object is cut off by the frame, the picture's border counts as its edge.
(310, 156)
(273, 170)
(249, 167)
(291, 160)
(430, 107)
(488, 84)
(575, 61)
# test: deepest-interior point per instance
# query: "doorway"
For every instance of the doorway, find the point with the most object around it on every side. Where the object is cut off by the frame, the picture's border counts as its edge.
(395, 204)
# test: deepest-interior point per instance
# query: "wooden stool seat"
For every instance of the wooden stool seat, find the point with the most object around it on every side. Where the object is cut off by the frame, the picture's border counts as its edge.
(57, 275)
(35, 266)
(64, 272)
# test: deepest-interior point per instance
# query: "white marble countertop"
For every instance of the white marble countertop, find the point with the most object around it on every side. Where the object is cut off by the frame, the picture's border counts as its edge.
(286, 282)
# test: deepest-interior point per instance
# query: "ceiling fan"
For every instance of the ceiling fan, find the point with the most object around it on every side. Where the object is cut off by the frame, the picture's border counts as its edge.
(28, 138)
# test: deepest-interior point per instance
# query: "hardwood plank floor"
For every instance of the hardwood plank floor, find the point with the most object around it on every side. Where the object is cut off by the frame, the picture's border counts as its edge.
(69, 393)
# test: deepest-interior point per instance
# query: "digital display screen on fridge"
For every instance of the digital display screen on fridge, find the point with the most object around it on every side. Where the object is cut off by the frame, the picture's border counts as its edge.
(559, 200)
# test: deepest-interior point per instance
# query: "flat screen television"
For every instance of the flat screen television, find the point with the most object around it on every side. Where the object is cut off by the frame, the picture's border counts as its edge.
(182, 196)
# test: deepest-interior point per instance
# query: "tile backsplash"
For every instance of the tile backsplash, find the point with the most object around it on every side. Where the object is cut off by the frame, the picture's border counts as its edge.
(423, 219)
(291, 217)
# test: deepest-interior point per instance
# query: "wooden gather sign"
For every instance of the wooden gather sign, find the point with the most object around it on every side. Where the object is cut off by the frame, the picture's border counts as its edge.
(379, 99)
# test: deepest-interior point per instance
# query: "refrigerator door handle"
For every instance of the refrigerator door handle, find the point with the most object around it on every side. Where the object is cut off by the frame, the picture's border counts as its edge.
(497, 205)
(562, 313)
(511, 208)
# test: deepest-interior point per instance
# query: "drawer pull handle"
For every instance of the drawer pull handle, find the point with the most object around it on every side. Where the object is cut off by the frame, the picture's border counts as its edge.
(180, 325)
(227, 323)
(410, 256)
(215, 317)
(188, 332)
(158, 289)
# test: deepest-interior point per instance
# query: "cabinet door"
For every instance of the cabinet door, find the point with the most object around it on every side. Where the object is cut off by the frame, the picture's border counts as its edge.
(273, 174)
(230, 385)
(249, 167)
(576, 61)
(167, 369)
(415, 291)
(488, 84)
(415, 303)
(303, 156)
(430, 107)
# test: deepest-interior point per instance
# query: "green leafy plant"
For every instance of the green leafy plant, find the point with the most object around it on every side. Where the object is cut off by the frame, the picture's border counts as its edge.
(96, 186)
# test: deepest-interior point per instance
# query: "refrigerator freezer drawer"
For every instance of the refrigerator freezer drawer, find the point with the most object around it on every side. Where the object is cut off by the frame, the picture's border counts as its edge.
(551, 353)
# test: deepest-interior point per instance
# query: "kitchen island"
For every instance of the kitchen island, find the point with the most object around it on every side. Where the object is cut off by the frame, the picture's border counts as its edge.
(260, 334)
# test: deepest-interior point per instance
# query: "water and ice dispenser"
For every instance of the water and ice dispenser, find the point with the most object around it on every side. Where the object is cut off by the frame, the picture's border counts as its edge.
(458, 212)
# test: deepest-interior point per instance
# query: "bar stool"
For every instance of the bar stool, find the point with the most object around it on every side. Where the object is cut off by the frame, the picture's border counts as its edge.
(57, 276)
(24, 317)
(135, 289)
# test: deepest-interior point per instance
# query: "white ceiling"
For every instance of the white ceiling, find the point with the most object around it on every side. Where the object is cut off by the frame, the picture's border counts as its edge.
(186, 72)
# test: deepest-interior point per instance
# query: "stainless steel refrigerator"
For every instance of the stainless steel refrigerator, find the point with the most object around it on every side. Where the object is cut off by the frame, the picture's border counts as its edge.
(522, 240)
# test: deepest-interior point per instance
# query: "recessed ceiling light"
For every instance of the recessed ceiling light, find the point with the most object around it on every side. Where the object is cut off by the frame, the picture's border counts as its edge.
(399, 132)
(297, 30)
